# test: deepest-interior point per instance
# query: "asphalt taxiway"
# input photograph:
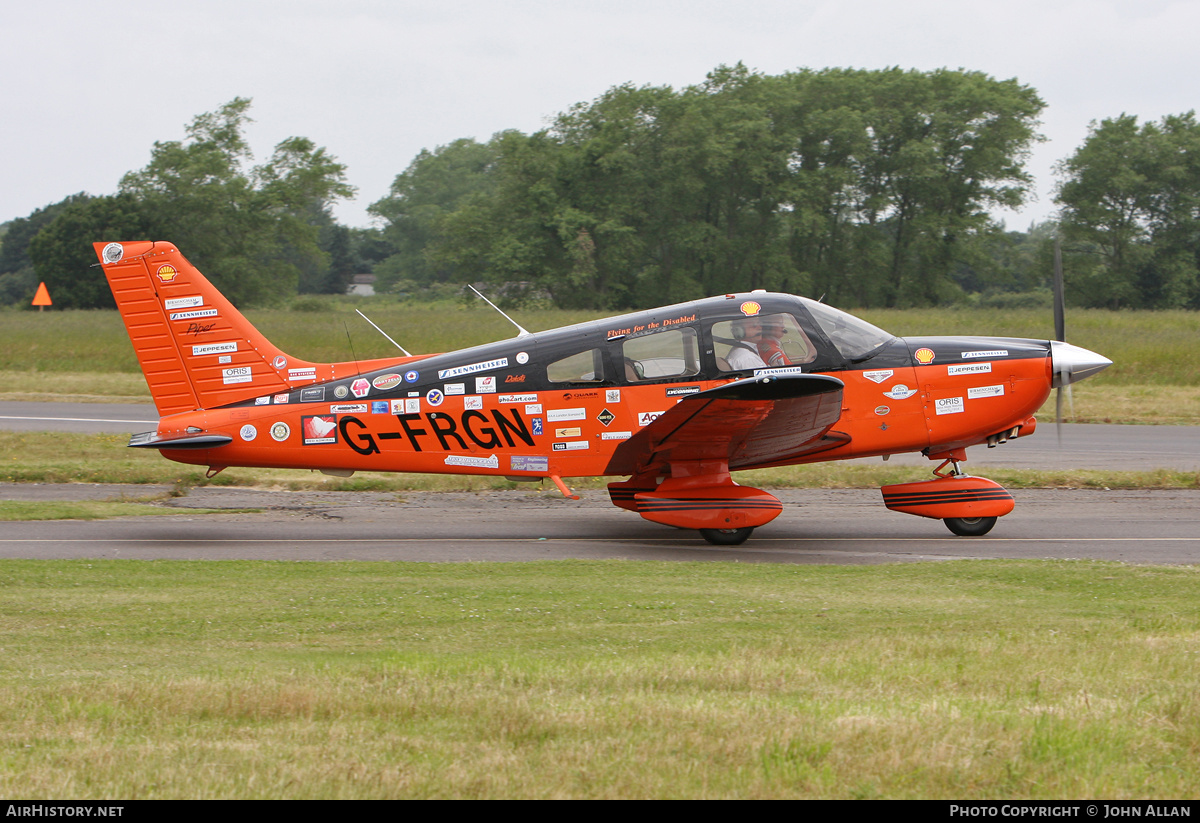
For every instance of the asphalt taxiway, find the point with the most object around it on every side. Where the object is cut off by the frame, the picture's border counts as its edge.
(817, 526)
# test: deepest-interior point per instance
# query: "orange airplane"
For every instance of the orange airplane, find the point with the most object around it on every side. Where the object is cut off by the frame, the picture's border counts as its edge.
(673, 398)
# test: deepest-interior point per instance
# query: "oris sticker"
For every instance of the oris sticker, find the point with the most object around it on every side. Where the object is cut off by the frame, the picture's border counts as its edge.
(949, 405)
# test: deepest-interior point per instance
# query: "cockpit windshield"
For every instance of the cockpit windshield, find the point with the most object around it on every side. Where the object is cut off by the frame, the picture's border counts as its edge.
(855, 339)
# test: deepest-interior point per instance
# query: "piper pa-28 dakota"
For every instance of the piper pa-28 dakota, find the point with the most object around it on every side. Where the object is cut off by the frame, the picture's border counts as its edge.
(673, 399)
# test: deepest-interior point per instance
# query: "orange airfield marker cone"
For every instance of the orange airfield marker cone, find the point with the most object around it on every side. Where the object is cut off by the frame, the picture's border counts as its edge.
(42, 298)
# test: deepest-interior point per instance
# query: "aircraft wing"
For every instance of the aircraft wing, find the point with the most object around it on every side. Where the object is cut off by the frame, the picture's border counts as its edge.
(746, 423)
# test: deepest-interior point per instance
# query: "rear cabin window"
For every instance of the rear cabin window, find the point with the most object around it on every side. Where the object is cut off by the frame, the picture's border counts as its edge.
(761, 342)
(658, 355)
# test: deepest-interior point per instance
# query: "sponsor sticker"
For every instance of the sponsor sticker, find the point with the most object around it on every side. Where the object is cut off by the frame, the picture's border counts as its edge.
(282, 398)
(518, 398)
(214, 348)
(879, 375)
(750, 308)
(522, 357)
(237, 374)
(989, 353)
(924, 356)
(779, 370)
(882, 410)
(279, 362)
(492, 462)
(985, 391)
(536, 425)
(533, 408)
(302, 374)
(225, 358)
(360, 387)
(183, 302)
(379, 407)
(319, 429)
(970, 368)
(434, 397)
(166, 272)
(612, 395)
(313, 394)
(573, 431)
(412, 405)
(341, 392)
(554, 415)
(348, 408)
(386, 381)
(533, 463)
(485, 385)
(473, 401)
(113, 253)
(280, 432)
(615, 435)
(456, 388)
(262, 401)
(646, 418)
(192, 315)
(411, 376)
(573, 446)
(900, 392)
(606, 417)
(248, 432)
(949, 405)
(515, 378)
(486, 365)
(677, 391)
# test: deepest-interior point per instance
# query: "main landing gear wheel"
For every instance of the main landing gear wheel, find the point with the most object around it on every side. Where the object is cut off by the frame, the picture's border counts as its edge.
(729, 537)
(970, 526)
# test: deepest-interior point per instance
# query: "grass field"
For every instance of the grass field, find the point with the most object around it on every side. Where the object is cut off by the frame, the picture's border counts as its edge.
(964, 679)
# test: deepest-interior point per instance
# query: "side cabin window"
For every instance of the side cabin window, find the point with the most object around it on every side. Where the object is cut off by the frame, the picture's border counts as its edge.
(661, 354)
(761, 342)
(583, 367)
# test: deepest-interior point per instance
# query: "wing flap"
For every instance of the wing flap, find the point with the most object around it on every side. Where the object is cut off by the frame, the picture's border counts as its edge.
(745, 423)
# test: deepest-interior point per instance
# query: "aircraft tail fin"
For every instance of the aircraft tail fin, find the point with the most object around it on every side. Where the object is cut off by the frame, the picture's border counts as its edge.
(196, 350)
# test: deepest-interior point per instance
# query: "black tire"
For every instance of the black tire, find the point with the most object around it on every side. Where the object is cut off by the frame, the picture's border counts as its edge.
(726, 537)
(970, 526)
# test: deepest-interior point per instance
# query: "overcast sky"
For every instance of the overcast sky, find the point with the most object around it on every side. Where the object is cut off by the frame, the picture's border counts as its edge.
(89, 85)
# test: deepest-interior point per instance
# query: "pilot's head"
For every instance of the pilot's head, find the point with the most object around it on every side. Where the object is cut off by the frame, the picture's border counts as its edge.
(747, 328)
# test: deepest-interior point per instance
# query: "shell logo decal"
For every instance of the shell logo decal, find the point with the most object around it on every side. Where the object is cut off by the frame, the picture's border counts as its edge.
(924, 356)
(750, 308)
(166, 273)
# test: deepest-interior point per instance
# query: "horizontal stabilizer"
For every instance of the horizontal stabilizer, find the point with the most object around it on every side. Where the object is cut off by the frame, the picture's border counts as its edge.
(203, 440)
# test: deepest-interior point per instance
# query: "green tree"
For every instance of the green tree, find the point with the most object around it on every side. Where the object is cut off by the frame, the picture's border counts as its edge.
(252, 230)
(1131, 194)
(62, 252)
(18, 281)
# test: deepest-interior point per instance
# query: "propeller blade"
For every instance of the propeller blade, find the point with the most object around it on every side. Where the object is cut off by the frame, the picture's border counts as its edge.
(1060, 322)
(1058, 414)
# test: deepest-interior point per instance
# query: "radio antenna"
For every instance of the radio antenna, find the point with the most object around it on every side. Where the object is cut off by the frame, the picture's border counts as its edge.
(522, 331)
(385, 334)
